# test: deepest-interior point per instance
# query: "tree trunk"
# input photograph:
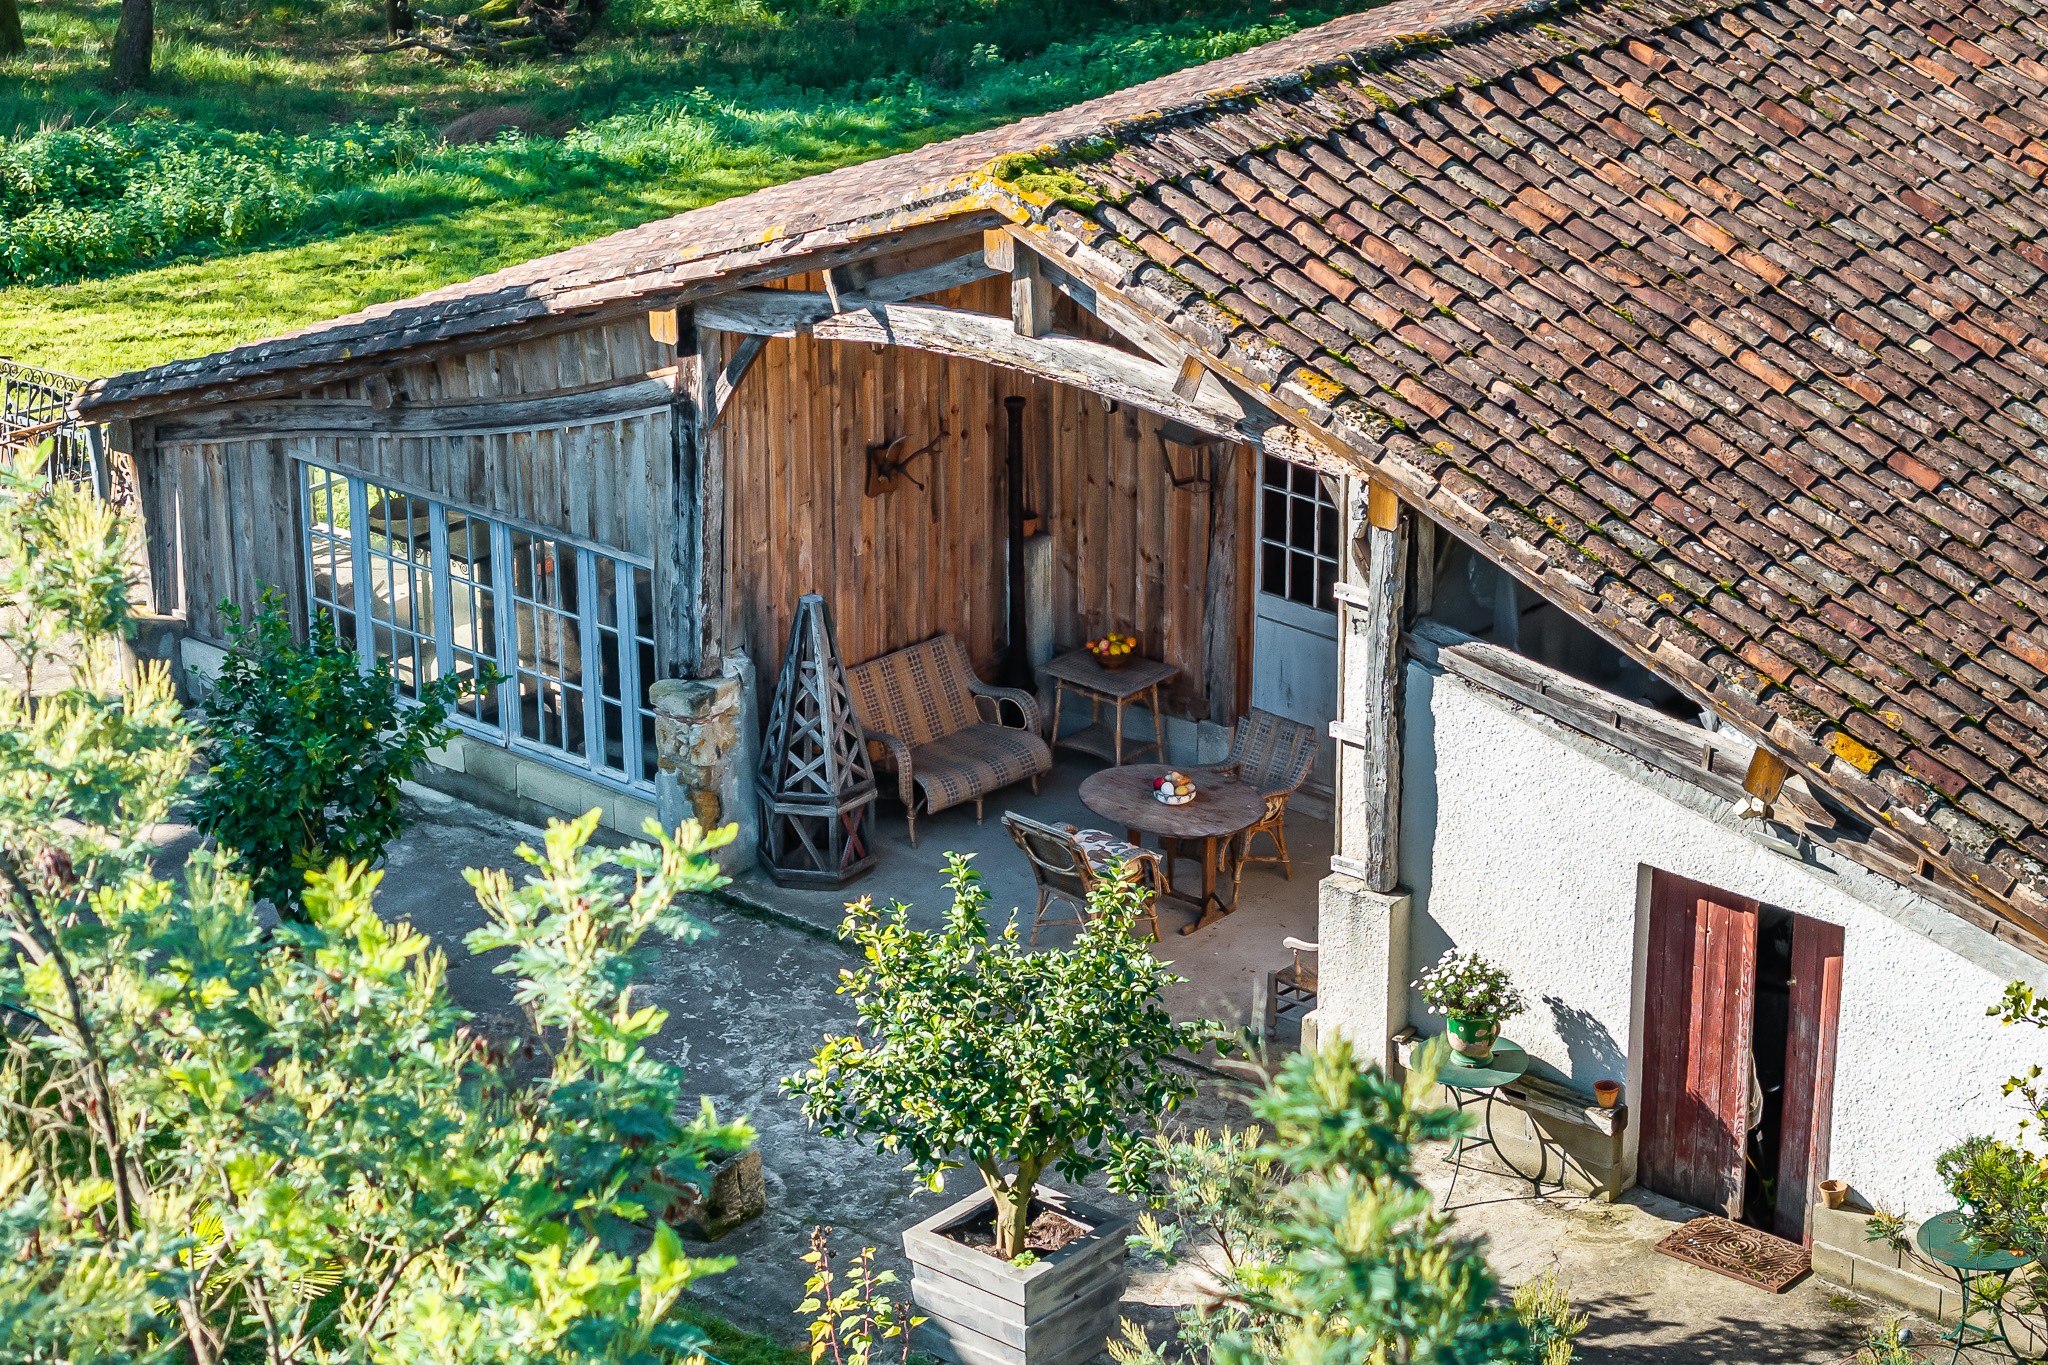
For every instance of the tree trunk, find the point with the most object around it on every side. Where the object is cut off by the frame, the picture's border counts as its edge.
(134, 42)
(1012, 1203)
(12, 44)
(1013, 1220)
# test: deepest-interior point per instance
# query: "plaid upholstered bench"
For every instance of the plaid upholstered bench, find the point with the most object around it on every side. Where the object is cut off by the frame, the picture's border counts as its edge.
(941, 730)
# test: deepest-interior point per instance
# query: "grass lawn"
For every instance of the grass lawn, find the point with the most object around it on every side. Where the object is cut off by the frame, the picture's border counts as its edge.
(262, 183)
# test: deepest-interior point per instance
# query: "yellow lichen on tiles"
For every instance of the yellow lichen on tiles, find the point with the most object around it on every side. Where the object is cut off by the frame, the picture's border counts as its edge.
(1853, 751)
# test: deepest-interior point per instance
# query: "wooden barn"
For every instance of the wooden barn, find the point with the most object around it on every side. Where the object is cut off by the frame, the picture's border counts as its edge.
(1619, 426)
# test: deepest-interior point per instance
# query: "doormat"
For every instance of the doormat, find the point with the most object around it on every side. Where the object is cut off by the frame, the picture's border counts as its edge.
(1741, 1253)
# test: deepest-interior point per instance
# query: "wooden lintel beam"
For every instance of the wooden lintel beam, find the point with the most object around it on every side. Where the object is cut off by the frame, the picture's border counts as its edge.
(338, 416)
(1090, 365)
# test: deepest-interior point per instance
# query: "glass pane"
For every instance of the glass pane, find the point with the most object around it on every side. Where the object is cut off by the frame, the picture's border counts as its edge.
(548, 648)
(643, 649)
(400, 540)
(330, 557)
(1301, 580)
(1301, 525)
(473, 611)
(1272, 570)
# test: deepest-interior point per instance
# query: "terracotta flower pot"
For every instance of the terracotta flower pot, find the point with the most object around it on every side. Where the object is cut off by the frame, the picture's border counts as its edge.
(1471, 1038)
(1834, 1193)
(1607, 1094)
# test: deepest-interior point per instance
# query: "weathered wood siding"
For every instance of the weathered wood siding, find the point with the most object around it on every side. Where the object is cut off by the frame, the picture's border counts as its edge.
(230, 506)
(1131, 550)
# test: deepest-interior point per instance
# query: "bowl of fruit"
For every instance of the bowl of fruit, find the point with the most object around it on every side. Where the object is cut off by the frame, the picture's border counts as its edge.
(1174, 789)
(1113, 650)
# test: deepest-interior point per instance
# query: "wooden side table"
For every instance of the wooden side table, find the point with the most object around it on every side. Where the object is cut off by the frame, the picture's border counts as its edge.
(1118, 687)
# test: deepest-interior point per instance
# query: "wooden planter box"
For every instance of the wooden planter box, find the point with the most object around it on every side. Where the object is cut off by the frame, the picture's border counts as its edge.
(984, 1311)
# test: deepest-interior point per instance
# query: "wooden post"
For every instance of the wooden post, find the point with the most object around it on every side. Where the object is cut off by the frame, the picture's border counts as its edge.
(1368, 725)
(690, 569)
(1225, 621)
(1030, 296)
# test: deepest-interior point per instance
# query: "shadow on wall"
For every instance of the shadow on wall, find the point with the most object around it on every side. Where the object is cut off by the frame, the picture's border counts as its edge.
(1594, 1053)
(1426, 938)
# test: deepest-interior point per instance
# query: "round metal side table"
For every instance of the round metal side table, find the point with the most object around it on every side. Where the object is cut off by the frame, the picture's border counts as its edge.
(1476, 1084)
(1945, 1240)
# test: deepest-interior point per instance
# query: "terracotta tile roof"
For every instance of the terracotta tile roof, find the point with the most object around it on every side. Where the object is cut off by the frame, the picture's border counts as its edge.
(1726, 327)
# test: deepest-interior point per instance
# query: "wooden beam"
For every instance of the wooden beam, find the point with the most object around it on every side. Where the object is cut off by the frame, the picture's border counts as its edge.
(1030, 297)
(345, 417)
(1766, 776)
(689, 565)
(663, 326)
(998, 250)
(1188, 382)
(1382, 507)
(735, 369)
(842, 282)
(1104, 370)
(1377, 821)
(786, 312)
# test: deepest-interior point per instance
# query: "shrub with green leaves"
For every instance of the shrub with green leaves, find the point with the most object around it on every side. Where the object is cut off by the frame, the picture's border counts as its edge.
(224, 1144)
(978, 1051)
(305, 751)
(1332, 1251)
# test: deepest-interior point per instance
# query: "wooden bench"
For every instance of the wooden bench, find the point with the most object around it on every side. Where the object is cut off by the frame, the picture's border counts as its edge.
(941, 730)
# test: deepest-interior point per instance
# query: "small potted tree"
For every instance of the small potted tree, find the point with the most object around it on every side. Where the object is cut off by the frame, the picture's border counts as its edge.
(1475, 997)
(977, 1051)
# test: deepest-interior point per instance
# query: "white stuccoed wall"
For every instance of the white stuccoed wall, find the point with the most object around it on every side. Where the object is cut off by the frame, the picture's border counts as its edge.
(1532, 844)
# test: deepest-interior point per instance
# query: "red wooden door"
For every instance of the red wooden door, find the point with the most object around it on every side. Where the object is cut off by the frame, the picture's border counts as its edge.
(1816, 1005)
(1698, 1017)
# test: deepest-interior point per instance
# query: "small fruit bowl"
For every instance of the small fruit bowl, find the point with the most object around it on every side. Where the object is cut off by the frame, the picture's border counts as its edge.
(1174, 789)
(1113, 650)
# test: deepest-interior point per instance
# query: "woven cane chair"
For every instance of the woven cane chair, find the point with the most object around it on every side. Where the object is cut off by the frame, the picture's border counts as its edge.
(1275, 755)
(1069, 863)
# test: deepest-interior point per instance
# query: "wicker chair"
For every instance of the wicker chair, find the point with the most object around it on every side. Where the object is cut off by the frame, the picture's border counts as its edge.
(1275, 755)
(1068, 863)
(940, 729)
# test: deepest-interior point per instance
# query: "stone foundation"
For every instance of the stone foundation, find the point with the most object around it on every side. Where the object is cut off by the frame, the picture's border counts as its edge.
(704, 737)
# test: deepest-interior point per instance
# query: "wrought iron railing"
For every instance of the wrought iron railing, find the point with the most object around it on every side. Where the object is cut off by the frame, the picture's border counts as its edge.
(35, 410)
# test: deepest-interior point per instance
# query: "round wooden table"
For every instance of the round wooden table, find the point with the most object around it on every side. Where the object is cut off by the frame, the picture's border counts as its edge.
(1222, 809)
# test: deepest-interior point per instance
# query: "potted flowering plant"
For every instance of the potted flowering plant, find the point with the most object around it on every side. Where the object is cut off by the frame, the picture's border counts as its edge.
(1475, 997)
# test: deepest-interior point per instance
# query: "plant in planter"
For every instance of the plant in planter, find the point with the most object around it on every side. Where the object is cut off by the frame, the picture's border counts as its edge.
(977, 1051)
(1475, 997)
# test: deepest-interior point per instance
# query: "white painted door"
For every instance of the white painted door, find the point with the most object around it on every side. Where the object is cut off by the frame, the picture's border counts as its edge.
(1294, 626)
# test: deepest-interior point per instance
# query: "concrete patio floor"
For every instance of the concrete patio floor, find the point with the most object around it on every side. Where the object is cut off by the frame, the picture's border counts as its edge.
(748, 1005)
(1220, 962)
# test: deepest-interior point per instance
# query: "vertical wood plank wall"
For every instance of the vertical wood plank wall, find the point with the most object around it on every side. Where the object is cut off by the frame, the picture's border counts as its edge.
(234, 502)
(1130, 550)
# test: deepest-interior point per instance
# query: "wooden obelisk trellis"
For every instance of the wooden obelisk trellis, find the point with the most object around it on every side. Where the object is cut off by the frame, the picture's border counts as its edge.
(817, 786)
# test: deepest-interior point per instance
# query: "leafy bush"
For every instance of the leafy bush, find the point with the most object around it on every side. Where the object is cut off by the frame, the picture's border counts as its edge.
(305, 751)
(979, 1051)
(228, 1145)
(1331, 1251)
(1546, 1313)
